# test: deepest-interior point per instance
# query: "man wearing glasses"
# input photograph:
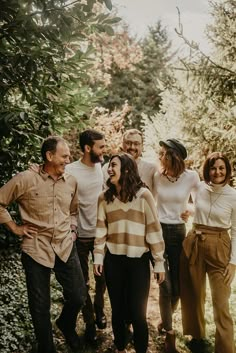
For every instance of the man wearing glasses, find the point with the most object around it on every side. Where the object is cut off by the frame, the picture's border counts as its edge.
(133, 144)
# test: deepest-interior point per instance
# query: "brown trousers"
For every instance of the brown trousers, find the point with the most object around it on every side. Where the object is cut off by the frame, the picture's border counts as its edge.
(206, 250)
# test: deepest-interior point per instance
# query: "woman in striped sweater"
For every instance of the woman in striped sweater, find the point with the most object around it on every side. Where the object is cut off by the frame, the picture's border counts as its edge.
(128, 228)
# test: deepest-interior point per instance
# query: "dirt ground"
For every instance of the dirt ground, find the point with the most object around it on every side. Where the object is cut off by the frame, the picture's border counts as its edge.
(105, 337)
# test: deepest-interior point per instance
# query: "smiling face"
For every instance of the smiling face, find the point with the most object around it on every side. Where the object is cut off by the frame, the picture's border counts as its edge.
(133, 145)
(217, 172)
(57, 161)
(114, 171)
(96, 152)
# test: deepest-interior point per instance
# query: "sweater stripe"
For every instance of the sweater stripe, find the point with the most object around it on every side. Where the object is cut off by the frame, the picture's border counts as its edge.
(129, 229)
(128, 215)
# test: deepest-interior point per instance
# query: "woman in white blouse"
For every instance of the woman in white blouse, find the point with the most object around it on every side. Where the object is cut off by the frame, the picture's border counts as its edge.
(208, 249)
(175, 184)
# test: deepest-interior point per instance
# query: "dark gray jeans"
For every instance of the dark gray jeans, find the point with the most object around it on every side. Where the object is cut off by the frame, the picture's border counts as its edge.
(84, 248)
(70, 276)
(173, 235)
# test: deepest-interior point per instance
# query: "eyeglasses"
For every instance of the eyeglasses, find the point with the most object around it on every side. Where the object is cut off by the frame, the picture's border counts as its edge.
(134, 143)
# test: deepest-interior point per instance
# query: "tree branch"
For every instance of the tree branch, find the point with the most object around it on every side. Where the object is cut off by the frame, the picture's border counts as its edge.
(193, 45)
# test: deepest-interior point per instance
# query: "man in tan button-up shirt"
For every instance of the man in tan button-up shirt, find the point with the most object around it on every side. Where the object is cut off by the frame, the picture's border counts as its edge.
(48, 204)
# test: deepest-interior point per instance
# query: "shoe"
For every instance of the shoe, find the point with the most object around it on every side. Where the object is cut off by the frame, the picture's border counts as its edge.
(90, 334)
(170, 343)
(197, 346)
(71, 337)
(101, 320)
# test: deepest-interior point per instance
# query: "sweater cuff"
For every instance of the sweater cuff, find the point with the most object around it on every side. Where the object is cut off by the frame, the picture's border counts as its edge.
(98, 259)
(159, 267)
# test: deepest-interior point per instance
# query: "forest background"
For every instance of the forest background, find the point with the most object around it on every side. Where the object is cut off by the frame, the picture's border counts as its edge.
(69, 65)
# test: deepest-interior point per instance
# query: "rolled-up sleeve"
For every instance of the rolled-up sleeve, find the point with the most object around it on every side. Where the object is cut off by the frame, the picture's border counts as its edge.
(9, 192)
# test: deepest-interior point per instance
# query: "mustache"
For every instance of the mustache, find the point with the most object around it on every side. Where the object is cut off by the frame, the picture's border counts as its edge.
(131, 150)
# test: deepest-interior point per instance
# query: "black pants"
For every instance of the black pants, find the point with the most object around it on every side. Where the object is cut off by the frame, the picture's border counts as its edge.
(84, 248)
(70, 276)
(173, 235)
(128, 284)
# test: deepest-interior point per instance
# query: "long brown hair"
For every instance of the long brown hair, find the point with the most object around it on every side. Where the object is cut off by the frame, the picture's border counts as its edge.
(129, 181)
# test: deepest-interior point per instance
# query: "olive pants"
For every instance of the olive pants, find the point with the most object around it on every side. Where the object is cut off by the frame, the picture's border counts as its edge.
(206, 250)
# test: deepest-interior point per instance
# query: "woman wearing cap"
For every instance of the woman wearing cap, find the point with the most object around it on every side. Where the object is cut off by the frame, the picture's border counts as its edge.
(208, 249)
(175, 184)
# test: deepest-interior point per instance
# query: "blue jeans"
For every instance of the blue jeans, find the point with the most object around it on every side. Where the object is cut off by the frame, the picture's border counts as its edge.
(173, 235)
(70, 276)
(128, 283)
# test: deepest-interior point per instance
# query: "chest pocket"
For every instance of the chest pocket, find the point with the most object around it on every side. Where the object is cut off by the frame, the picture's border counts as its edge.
(39, 201)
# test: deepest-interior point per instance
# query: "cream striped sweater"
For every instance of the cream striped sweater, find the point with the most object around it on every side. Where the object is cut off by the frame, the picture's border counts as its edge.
(129, 229)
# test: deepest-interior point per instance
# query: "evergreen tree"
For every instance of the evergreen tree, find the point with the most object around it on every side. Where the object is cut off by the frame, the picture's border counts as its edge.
(143, 78)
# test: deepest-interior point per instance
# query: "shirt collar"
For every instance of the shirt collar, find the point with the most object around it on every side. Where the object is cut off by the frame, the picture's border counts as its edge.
(45, 175)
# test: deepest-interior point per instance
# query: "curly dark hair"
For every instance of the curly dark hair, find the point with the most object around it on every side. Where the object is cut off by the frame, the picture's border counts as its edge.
(210, 161)
(130, 180)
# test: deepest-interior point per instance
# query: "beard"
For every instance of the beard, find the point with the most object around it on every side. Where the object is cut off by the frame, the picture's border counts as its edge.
(133, 152)
(95, 158)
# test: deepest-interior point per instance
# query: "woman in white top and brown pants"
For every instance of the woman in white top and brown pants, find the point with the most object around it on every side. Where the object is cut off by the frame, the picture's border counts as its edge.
(208, 249)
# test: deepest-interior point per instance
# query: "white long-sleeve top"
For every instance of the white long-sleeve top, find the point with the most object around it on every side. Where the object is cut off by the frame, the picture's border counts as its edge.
(215, 206)
(173, 198)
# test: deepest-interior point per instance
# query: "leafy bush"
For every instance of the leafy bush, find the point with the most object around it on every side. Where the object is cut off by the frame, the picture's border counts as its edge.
(16, 330)
(15, 322)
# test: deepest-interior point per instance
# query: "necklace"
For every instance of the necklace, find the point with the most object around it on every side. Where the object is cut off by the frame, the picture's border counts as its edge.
(212, 202)
(172, 180)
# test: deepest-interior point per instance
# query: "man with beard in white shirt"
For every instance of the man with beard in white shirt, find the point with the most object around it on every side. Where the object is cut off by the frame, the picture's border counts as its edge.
(88, 173)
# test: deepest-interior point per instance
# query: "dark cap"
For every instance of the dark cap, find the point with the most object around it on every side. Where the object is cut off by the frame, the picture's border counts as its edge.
(175, 145)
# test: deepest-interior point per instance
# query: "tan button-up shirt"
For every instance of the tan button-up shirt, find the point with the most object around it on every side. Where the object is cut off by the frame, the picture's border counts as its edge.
(51, 206)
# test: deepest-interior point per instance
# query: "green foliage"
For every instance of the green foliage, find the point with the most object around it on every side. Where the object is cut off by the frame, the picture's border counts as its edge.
(15, 323)
(142, 85)
(44, 61)
(45, 56)
(200, 106)
(208, 108)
